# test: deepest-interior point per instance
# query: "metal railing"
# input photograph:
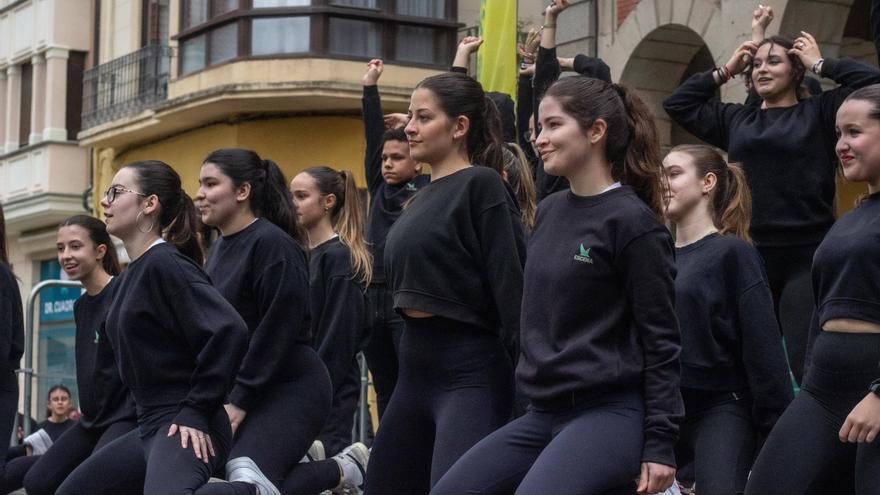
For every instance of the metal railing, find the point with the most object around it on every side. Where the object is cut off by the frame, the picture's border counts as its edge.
(126, 85)
(28, 369)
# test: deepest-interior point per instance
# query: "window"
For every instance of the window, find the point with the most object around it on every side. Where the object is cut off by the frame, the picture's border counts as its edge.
(422, 8)
(280, 35)
(417, 44)
(76, 64)
(355, 37)
(263, 4)
(24, 127)
(193, 54)
(224, 43)
(215, 31)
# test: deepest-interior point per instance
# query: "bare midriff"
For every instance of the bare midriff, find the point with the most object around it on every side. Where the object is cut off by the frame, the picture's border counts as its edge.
(847, 325)
(414, 313)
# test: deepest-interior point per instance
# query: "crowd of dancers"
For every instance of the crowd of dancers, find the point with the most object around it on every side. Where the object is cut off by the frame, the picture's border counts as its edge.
(557, 308)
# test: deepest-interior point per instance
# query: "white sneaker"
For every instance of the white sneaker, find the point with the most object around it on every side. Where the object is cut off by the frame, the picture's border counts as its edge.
(353, 464)
(315, 453)
(244, 469)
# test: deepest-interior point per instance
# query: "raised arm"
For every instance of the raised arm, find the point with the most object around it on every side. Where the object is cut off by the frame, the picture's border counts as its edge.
(374, 124)
(466, 47)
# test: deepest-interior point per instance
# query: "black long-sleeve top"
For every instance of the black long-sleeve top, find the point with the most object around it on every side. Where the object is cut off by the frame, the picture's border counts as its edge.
(264, 274)
(729, 333)
(339, 309)
(787, 153)
(178, 343)
(458, 250)
(386, 200)
(598, 311)
(11, 327)
(846, 268)
(103, 398)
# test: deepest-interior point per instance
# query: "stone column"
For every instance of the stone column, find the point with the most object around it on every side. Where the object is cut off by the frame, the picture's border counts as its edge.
(3, 108)
(38, 101)
(13, 106)
(56, 95)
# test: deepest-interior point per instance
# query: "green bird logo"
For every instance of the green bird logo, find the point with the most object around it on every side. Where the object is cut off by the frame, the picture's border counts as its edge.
(584, 255)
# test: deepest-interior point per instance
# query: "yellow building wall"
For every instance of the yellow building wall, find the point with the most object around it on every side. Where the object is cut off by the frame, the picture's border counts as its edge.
(294, 143)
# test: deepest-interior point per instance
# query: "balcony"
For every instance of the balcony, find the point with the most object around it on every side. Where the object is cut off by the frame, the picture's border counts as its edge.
(125, 86)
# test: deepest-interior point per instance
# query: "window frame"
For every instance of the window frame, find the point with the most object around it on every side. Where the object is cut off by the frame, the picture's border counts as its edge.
(319, 13)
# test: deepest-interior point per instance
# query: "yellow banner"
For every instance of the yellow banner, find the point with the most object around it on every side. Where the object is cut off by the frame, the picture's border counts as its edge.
(496, 60)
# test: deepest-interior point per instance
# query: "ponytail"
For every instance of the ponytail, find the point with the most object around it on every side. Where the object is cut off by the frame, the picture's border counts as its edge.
(269, 198)
(519, 176)
(460, 95)
(177, 220)
(347, 217)
(731, 200)
(97, 231)
(631, 144)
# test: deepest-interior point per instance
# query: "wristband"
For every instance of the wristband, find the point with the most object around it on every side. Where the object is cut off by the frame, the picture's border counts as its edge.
(548, 26)
(875, 388)
(817, 67)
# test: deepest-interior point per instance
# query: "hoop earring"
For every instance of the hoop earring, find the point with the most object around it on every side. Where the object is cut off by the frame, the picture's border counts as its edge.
(137, 223)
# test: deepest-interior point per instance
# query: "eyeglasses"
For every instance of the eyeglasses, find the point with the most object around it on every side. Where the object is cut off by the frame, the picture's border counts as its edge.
(114, 191)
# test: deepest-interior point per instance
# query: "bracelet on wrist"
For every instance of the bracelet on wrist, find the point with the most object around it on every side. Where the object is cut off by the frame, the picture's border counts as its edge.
(817, 67)
(549, 25)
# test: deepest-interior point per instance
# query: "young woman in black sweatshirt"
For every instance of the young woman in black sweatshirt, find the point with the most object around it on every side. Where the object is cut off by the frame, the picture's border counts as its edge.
(786, 148)
(827, 437)
(329, 208)
(11, 345)
(454, 263)
(177, 343)
(87, 254)
(599, 336)
(734, 379)
(392, 178)
(281, 394)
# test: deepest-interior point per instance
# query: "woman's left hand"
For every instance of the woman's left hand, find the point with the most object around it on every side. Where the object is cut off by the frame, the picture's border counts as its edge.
(655, 478)
(236, 416)
(806, 48)
(201, 441)
(863, 422)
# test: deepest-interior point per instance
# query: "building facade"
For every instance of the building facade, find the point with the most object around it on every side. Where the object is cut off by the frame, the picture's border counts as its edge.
(44, 173)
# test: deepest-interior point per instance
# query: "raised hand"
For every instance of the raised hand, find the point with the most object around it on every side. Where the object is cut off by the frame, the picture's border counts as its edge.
(470, 44)
(374, 72)
(741, 57)
(528, 50)
(555, 7)
(806, 49)
(761, 18)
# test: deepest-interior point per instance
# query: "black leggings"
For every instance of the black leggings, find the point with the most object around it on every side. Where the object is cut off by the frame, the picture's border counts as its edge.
(8, 409)
(156, 461)
(788, 271)
(803, 454)
(595, 448)
(45, 473)
(279, 431)
(455, 387)
(384, 344)
(719, 437)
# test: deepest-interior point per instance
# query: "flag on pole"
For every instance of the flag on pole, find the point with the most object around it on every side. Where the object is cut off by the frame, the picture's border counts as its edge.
(496, 60)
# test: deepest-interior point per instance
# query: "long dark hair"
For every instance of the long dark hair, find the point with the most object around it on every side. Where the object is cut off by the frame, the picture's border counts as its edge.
(4, 254)
(98, 234)
(459, 94)
(799, 71)
(177, 213)
(347, 216)
(731, 198)
(631, 144)
(270, 198)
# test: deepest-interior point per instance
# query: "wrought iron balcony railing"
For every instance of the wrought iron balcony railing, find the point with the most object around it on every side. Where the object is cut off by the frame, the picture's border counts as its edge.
(126, 85)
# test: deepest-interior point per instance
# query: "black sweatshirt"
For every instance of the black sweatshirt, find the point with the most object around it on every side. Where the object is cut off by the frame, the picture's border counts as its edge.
(11, 328)
(846, 268)
(264, 274)
(55, 430)
(386, 200)
(178, 343)
(458, 250)
(598, 313)
(103, 398)
(787, 153)
(729, 333)
(339, 310)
